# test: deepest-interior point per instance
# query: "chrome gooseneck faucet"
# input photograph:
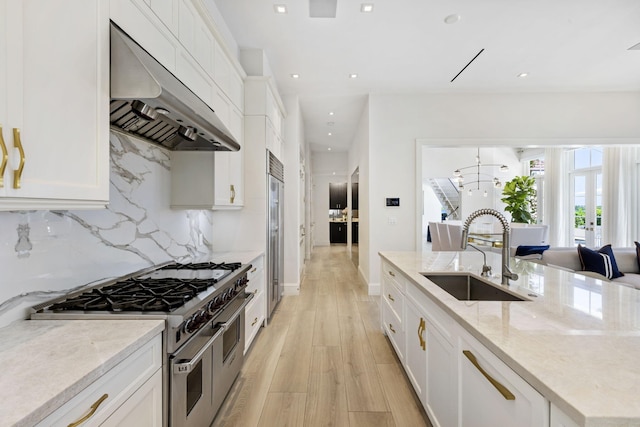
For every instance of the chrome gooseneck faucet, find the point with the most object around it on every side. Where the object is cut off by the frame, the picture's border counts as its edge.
(506, 271)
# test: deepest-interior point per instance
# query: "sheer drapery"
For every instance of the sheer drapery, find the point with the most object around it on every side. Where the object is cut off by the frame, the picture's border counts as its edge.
(556, 210)
(619, 195)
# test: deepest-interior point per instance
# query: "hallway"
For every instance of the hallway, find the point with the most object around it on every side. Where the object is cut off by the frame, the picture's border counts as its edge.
(323, 360)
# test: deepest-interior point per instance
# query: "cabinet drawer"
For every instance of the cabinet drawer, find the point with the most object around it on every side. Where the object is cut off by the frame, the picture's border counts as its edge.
(118, 385)
(393, 275)
(394, 329)
(254, 319)
(256, 267)
(394, 298)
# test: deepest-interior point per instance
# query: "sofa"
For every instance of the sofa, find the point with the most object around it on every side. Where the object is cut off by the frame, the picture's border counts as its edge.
(567, 258)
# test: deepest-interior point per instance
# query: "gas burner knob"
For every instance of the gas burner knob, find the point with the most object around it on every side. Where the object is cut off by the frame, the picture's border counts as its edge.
(189, 325)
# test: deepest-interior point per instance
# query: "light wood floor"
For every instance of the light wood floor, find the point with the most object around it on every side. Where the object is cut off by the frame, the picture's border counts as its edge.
(323, 360)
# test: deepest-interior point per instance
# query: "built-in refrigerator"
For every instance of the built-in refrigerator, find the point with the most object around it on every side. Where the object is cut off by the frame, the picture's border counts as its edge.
(275, 231)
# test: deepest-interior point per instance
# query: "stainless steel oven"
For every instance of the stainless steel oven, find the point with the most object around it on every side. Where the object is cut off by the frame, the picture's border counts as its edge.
(203, 370)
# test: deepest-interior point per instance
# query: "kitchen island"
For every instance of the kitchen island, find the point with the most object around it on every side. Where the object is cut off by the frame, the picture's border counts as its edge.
(575, 340)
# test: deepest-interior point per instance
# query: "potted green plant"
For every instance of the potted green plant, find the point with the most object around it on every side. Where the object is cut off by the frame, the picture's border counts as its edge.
(519, 195)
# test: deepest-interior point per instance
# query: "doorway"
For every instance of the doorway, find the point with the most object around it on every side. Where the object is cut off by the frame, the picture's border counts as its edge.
(586, 196)
(355, 218)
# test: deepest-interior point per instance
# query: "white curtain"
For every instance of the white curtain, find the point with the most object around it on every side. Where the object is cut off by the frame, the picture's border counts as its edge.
(556, 203)
(619, 195)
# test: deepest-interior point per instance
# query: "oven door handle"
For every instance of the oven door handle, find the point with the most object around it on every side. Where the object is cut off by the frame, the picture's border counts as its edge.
(226, 324)
(185, 368)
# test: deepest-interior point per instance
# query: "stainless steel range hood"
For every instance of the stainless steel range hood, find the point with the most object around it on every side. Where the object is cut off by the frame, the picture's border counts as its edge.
(149, 102)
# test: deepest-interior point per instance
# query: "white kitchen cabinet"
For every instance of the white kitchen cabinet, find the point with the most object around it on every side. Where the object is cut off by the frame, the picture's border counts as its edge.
(559, 418)
(54, 85)
(200, 181)
(491, 394)
(393, 314)
(416, 352)
(128, 395)
(441, 389)
(262, 100)
(255, 312)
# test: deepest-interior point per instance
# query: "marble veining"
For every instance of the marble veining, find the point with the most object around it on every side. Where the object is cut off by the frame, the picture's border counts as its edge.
(577, 342)
(46, 363)
(45, 253)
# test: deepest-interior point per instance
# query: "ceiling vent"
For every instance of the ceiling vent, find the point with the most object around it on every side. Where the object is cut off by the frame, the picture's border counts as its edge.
(322, 8)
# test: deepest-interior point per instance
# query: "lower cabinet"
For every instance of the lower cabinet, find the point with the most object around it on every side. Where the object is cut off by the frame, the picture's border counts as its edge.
(128, 395)
(338, 232)
(458, 380)
(255, 311)
(491, 394)
(559, 418)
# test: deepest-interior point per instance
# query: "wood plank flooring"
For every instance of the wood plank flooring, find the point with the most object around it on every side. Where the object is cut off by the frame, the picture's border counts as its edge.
(323, 360)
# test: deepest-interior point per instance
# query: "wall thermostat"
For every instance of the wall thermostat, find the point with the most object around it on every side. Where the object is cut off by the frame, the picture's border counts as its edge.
(393, 201)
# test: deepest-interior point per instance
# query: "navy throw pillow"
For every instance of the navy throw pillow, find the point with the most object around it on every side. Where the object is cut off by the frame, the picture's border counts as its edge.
(601, 261)
(524, 250)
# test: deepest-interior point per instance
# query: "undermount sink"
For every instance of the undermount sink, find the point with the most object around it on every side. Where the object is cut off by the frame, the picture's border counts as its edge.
(466, 287)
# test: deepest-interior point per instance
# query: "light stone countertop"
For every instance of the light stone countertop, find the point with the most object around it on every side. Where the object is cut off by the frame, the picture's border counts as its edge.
(45, 363)
(577, 343)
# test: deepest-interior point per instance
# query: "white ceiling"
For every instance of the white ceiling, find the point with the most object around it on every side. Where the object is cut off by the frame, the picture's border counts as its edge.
(404, 46)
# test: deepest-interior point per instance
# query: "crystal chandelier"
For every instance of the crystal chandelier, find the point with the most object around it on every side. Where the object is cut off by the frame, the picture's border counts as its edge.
(480, 177)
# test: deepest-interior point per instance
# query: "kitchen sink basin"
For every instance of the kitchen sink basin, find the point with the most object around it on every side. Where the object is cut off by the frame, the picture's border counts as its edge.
(466, 287)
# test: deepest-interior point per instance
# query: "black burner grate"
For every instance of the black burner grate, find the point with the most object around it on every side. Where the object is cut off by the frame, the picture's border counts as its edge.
(232, 266)
(165, 294)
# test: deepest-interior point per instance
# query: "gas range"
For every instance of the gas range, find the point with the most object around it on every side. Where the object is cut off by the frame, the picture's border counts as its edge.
(187, 295)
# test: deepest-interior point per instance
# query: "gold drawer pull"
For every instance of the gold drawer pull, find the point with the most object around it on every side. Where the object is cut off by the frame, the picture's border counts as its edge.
(92, 411)
(254, 270)
(233, 193)
(254, 321)
(392, 274)
(391, 328)
(5, 158)
(391, 298)
(421, 329)
(17, 174)
(502, 389)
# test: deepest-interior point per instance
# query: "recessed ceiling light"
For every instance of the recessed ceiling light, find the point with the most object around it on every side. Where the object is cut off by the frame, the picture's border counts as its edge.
(331, 113)
(329, 134)
(523, 74)
(329, 149)
(452, 19)
(353, 76)
(334, 173)
(366, 7)
(295, 76)
(280, 8)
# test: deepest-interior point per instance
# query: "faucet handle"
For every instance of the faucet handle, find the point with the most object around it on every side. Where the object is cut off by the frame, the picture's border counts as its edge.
(486, 271)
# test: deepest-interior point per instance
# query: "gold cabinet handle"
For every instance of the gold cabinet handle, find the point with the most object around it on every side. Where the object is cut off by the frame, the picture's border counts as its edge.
(421, 329)
(392, 274)
(391, 298)
(232, 189)
(92, 411)
(502, 389)
(391, 328)
(17, 174)
(254, 321)
(5, 158)
(254, 269)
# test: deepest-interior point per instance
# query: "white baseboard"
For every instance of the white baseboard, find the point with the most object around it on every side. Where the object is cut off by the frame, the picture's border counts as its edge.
(291, 289)
(374, 288)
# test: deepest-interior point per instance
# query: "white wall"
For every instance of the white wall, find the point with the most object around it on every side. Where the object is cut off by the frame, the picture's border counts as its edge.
(360, 151)
(397, 121)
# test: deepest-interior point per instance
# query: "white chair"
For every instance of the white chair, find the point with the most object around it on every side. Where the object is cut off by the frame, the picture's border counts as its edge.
(455, 237)
(435, 236)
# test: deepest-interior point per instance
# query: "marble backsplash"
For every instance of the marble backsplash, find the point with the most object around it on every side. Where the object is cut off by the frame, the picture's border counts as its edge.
(44, 254)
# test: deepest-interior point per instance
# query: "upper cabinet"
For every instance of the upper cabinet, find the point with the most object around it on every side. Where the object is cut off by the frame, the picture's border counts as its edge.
(54, 97)
(183, 37)
(337, 195)
(262, 99)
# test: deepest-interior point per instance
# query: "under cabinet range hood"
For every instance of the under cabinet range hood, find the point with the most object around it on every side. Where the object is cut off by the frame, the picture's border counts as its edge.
(149, 102)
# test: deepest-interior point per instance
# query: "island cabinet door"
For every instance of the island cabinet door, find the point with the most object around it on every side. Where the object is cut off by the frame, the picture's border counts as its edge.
(441, 394)
(416, 354)
(491, 394)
